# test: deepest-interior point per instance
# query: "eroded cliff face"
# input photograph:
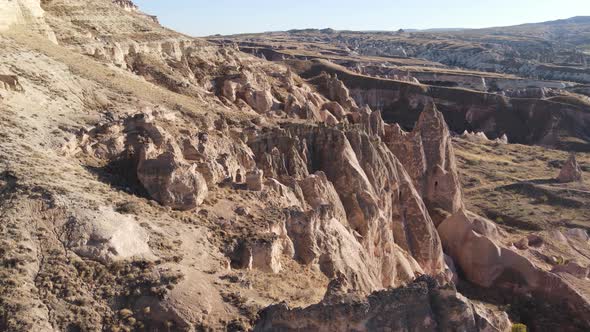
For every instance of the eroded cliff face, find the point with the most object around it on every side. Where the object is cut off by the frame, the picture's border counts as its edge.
(25, 13)
(128, 5)
(491, 258)
(368, 195)
(116, 31)
(422, 306)
(356, 209)
(451, 77)
(165, 183)
(547, 121)
(428, 152)
(526, 56)
(349, 208)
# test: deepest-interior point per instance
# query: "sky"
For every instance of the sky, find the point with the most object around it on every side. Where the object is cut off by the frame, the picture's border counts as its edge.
(209, 17)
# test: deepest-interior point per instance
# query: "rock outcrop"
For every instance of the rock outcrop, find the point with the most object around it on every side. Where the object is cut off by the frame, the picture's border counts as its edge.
(571, 171)
(366, 219)
(263, 254)
(574, 269)
(479, 249)
(26, 14)
(10, 83)
(108, 236)
(161, 167)
(175, 171)
(523, 120)
(170, 180)
(286, 97)
(338, 92)
(421, 306)
(481, 137)
(128, 5)
(254, 180)
(472, 242)
(427, 152)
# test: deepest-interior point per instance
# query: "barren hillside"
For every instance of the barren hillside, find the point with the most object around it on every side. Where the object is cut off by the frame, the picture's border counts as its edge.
(152, 181)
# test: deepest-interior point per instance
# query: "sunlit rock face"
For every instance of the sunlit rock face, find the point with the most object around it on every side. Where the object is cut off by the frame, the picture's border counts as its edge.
(366, 219)
(427, 152)
(128, 5)
(421, 306)
(26, 14)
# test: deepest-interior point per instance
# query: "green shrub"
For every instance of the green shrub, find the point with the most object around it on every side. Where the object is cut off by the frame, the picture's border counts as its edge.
(519, 328)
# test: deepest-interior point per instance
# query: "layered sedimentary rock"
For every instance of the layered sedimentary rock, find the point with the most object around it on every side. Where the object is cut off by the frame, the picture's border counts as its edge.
(421, 306)
(525, 56)
(366, 218)
(128, 5)
(478, 247)
(24, 13)
(109, 42)
(353, 208)
(484, 83)
(523, 120)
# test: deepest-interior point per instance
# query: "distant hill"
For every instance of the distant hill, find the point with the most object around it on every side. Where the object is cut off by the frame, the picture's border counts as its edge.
(571, 32)
(436, 30)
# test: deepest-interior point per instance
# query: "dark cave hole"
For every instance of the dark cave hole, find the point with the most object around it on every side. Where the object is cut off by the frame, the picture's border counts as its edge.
(121, 174)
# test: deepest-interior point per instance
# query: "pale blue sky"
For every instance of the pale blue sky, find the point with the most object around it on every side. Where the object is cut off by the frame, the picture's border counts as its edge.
(207, 17)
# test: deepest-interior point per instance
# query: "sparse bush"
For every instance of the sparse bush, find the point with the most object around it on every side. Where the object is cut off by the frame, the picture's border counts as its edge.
(128, 208)
(519, 328)
(559, 260)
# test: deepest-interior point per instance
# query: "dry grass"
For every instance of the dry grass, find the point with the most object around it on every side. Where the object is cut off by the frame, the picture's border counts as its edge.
(115, 79)
(514, 185)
